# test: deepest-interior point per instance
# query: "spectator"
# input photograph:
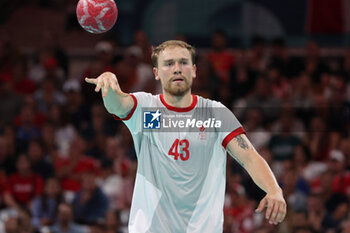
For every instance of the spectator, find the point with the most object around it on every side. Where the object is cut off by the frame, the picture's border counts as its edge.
(48, 94)
(308, 169)
(70, 168)
(209, 81)
(48, 132)
(44, 207)
(65, 223)
(12, 225)
(242, 77)
(238, 208)
(10, 102)
(78, 111)
(9, 133)
(22, 187)
(279, 58)
(103, 61)
(295, 190)
(65, 131)
(220, 57)
(282, 145)
(313, 63)
(39, 160)
(141, 41)
(258, 134)
(39, 117)
(90, 203)
(25, 217)
(318, 139)
(97, 131)
(22, 85)
(337, 211)
(27, 130)
(262, 98)
(316, 211)
(257, 56)
(7, 161)
(112, 222)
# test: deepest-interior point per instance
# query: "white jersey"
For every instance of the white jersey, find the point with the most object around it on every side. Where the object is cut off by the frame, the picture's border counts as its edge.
(180, 181)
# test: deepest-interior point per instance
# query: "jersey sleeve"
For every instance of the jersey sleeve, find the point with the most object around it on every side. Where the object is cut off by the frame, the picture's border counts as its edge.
(134, 118)
(230, 126)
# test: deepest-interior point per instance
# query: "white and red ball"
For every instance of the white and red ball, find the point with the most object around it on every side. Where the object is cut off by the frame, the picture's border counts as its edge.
(97, 16)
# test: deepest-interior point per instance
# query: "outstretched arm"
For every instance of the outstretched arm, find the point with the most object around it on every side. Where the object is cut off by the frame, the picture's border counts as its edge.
(115, 100)
(242, 150)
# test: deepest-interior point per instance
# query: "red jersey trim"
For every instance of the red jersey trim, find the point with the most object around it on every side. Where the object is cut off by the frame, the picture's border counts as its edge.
(231, 135)
(130, 113)
(176, 109)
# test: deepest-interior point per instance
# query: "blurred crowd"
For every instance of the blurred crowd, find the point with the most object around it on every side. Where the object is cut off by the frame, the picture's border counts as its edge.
(67, 166)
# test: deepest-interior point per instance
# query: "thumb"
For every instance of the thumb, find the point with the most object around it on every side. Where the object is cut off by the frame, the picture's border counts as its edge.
(261, 206)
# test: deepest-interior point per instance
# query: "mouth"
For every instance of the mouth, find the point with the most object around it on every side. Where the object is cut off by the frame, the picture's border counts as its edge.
(178, 79)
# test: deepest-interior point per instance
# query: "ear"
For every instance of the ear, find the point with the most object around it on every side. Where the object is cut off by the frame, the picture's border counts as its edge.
(194, 71)
(155, 72)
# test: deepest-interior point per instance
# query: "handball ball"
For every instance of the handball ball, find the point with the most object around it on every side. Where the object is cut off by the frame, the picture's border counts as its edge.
(97, 16)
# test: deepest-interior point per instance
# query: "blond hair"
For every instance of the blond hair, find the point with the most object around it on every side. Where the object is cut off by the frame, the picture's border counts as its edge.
(171, 43)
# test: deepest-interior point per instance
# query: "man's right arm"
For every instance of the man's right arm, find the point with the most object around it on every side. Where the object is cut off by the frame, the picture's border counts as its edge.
(115, 100)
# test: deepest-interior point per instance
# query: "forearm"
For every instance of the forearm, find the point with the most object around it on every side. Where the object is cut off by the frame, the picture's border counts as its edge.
(261, 174)
(243, 151)
(113, 102)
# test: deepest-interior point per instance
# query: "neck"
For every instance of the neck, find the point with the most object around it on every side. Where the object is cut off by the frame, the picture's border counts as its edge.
(178, 101)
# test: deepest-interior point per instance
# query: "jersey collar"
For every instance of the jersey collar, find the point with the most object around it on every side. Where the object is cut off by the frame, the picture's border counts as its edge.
(176, 109)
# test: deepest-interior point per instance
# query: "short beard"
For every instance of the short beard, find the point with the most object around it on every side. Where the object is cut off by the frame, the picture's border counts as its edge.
(178, 92)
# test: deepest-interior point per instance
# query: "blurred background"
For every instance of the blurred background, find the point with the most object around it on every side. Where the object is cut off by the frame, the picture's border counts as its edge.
(283, 67)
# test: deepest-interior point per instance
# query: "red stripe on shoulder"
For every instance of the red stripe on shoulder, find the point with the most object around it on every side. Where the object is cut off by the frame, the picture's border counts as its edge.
(130, 113)
(231, 135)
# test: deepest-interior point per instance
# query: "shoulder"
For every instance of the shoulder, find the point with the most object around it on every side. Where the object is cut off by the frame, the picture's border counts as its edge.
(145, 98)
(142, 94)
(205, 102)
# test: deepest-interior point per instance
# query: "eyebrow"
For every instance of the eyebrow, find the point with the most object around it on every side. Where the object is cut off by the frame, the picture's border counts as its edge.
(180, 59)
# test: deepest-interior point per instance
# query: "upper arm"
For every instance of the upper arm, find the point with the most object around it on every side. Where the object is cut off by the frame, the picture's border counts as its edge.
(241, 149)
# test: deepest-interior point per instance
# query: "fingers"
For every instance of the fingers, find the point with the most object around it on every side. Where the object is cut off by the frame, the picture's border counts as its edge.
(270, 205)
(276, 211)
(105, 87)
(283, 212)
(99, 85)
(104, 82)
(276, 207)
(91, 80)
(261, 206)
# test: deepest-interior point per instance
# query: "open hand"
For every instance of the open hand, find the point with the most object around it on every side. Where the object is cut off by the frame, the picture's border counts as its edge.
(105, 81)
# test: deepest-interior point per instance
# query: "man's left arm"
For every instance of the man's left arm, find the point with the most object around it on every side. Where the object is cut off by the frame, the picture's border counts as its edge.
(244, 153)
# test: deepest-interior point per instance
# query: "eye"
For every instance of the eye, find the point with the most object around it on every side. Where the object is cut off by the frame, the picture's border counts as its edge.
(169, 64)
(183, 62)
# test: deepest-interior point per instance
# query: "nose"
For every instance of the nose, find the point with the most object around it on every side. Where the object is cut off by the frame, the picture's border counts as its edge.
(177, 68)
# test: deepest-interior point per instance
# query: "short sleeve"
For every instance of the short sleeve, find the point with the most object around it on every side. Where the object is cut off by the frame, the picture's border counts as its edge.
(134, 119)
(230, 126)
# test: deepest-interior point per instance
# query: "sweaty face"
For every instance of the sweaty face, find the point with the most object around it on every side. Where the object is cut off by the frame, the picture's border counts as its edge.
(175, 70)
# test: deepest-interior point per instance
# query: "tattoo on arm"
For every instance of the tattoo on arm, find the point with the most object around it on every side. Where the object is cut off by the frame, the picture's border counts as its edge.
(241, 142)
(235, 157)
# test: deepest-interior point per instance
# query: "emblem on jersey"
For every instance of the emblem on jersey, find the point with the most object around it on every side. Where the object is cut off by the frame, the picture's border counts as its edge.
(202, 134)
(151, 119)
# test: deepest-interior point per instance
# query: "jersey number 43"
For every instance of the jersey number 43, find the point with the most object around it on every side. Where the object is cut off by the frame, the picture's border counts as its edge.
(184, 153)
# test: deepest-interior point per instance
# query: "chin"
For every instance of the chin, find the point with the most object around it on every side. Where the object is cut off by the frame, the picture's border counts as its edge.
(178, 91)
